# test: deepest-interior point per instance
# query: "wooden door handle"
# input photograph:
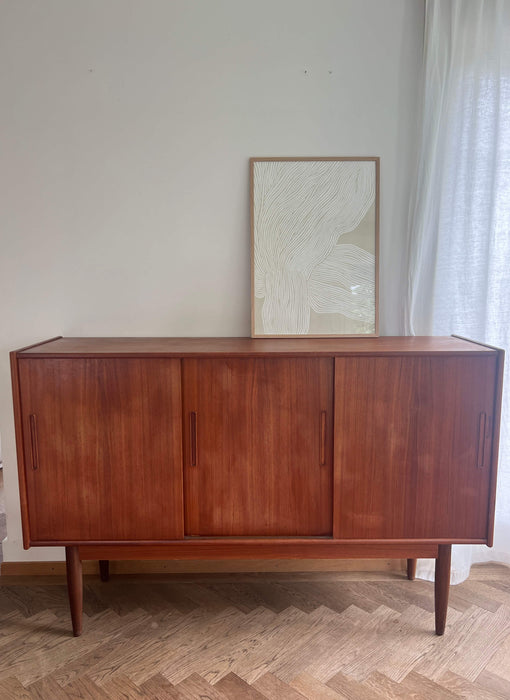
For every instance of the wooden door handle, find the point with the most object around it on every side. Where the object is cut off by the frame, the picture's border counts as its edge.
(193, 438)
(33, 442)
(322, 451)
(483, 435)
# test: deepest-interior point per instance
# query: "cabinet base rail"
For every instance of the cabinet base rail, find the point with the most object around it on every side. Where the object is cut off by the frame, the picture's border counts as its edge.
(270, 548)
(75, 554)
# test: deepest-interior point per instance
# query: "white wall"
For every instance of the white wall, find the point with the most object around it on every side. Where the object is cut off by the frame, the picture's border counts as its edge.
(126, 129)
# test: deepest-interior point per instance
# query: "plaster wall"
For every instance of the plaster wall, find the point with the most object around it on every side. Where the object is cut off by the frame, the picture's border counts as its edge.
(126, 129)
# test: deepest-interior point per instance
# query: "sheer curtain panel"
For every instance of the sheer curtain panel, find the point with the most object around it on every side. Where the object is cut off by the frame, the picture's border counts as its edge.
(459, 251)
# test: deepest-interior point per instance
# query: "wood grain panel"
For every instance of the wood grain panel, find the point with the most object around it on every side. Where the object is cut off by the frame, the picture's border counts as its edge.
(407, 447)
(201, 347)
(20, 452)
(226, 548)
(109, 453)
(259, 446)
(496, 426)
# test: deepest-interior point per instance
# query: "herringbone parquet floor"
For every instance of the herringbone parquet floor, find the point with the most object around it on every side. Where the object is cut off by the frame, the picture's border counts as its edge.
(259, 637)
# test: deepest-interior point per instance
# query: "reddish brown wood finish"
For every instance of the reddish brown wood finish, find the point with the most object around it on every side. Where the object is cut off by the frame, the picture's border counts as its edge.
(411, 569)
(276, 542)
(496, 425)
(108, 446)
(250, 548)
(100, 425)
(442, 585)
(262, 429)
(255, 347)
(407, 447)
(20, 452)
(75, 588)
(104, 569)
(38, 345)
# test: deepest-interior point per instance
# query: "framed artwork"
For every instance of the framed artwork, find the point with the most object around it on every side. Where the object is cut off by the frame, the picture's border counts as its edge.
(315, 237)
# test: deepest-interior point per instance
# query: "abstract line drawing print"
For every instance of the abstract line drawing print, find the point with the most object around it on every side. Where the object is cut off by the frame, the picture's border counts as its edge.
(302, 268)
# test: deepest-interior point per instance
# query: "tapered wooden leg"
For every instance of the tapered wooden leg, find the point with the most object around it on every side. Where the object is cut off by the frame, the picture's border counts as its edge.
(75, 588)
(411, 569)
(442, 585)
(104, 569)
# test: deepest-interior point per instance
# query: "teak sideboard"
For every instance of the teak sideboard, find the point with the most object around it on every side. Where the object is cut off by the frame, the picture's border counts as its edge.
(220, 448)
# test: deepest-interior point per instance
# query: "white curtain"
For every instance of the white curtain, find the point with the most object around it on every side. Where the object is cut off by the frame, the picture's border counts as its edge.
(459, 255)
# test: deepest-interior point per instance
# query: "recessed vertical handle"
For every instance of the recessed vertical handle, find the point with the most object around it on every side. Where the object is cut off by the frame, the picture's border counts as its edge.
(322, 449)
(483, 434)
(33, 441)
(193, 438)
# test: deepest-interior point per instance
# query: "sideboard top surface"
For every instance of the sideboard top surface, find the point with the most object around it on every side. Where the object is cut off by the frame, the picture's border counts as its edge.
(197, 347)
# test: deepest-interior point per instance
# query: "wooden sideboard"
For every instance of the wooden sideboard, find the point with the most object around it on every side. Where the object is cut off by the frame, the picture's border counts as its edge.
(219, 448)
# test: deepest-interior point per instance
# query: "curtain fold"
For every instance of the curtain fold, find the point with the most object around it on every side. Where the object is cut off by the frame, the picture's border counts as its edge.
(459, 249)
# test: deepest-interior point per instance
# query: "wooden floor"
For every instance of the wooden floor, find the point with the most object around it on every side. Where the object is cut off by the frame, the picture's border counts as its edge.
(267, 636)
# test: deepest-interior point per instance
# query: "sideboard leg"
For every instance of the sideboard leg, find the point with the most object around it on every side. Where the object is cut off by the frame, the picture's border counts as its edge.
(411, 569)
(442, 585)
(104, 569)
(75, 588)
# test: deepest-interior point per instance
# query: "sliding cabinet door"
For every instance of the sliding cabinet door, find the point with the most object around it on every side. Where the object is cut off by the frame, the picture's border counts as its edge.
(413, 440)
(258, 446)
(102, 441)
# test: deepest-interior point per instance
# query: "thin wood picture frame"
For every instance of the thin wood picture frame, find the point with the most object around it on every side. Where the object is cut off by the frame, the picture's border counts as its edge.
(314, 247)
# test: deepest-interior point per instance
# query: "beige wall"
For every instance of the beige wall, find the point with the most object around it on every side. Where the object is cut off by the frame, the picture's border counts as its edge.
(126, 129)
